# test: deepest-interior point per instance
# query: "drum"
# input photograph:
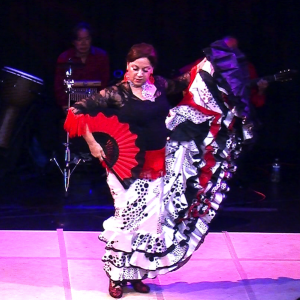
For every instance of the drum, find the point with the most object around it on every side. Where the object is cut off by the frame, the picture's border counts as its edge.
(18, 90)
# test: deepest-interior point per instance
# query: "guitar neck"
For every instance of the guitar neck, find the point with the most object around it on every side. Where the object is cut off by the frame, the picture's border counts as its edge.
(269, 78)
(284, 75)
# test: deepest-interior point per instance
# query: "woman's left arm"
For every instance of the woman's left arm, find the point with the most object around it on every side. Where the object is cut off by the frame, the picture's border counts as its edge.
(179, 84)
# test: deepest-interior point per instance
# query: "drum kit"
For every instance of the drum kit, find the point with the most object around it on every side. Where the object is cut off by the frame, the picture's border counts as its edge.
(19, 89)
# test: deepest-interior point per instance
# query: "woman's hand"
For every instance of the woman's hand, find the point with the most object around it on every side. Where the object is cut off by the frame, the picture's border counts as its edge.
(73, 110)
(95, 148)
(201, 64)
(97, 151)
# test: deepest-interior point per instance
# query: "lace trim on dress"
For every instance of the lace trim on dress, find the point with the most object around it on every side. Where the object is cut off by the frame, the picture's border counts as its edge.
(149, 91)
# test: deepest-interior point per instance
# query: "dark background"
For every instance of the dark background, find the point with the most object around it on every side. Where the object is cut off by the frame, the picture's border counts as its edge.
(34, 32)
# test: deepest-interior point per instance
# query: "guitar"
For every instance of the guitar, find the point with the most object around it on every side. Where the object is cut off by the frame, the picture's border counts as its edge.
(281, 76)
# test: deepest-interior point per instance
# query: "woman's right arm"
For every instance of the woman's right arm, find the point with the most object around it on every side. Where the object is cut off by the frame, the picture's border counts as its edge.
(106, 97)
(95, 148)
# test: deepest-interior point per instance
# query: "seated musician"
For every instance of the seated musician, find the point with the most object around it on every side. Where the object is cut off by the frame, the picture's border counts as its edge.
(88, 63)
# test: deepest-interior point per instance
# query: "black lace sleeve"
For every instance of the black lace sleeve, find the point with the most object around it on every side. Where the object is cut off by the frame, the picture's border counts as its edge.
(178, 84)
(109, 97)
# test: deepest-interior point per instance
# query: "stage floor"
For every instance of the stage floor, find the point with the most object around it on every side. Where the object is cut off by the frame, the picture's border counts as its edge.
(66, 265)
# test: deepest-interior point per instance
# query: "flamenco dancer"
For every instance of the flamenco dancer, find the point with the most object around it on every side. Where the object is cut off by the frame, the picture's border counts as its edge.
(166, 169)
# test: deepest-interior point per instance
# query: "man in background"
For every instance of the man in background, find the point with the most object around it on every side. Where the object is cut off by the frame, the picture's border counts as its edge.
(87, 62)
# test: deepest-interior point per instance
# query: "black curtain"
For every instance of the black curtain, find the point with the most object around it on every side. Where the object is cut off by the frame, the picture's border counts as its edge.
(34, 32)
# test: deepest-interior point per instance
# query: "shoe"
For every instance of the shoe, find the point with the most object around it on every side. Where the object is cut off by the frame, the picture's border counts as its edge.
(140, 287)
(115, 289)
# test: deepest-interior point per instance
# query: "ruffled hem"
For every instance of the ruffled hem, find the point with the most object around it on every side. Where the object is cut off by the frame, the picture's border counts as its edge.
(150, 254)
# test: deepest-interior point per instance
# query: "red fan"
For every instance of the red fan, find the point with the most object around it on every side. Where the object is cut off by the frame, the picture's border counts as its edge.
(116, 139)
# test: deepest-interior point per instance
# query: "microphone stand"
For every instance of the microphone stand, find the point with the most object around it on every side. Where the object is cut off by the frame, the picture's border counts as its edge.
(67, 170)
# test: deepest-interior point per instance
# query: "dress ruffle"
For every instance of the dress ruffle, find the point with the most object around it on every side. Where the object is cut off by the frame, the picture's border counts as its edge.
(232, 74)
(207, 158)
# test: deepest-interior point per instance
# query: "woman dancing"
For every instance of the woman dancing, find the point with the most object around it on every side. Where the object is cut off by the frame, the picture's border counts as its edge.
(169, 184)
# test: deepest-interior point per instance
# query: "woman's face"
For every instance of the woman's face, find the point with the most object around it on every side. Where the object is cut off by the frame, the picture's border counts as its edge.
(139, 71)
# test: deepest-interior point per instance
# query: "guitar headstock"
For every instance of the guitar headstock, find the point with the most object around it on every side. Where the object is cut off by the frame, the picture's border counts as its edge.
(285, 75)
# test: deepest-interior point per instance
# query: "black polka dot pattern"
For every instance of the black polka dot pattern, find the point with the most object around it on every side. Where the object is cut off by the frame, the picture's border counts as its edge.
(184, 113)
(135, 211)
(152, 244)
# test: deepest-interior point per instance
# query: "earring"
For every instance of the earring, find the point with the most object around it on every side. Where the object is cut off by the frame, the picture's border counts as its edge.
(126, 76)
(151, 79)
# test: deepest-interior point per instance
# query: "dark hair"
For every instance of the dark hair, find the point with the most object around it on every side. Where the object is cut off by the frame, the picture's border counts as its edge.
(80, 26)
(142, 50)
